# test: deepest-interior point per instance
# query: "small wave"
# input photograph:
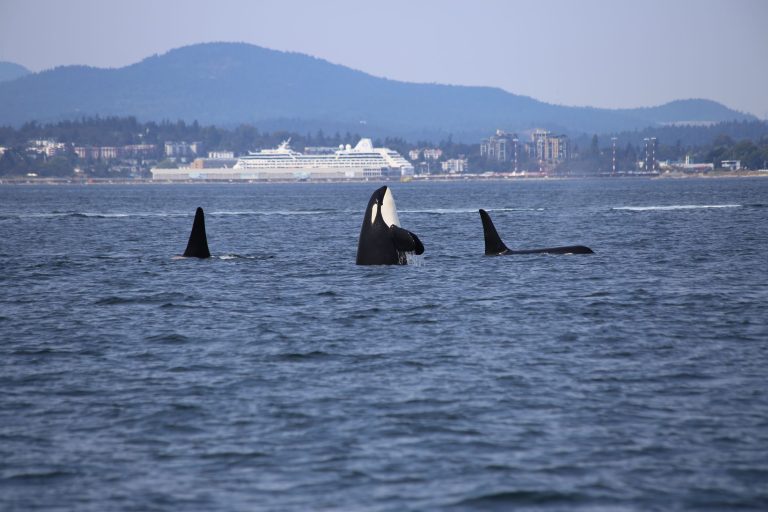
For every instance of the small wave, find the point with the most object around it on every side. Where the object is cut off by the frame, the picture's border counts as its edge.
(109, 301)
(90, 215)
(157, 298)
(510, 498)
(515, 209)
(38, 352)
(233, 456)
(270, 212)
(42, 475)
(104, 215)
(173, 305)
(245, 256)
(674, 207)
(449, 211)
(168, 338)
(125, 215)
(309, 356)
(441, 211)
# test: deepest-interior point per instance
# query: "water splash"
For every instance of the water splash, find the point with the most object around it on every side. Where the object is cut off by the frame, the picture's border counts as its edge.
(673, 207)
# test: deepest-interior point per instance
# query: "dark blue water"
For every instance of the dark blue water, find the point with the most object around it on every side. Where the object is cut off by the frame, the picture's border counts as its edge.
(280, 376)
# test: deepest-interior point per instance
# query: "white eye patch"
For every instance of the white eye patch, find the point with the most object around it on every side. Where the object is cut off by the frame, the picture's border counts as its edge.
(374, 211)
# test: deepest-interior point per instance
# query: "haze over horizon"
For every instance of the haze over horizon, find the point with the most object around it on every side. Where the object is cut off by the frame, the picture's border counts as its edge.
(593, 53)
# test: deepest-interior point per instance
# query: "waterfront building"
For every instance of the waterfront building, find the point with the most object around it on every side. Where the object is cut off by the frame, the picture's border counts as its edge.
(87, 152)
(688, 166)
(138, 150)
(114, 152)
(181, 149)
(212, 163)
(108, 152)
(497, 147)
(649, 161)
(432, 153)
(548, 148)
(455, 165)
(47, 147)
(228, 155)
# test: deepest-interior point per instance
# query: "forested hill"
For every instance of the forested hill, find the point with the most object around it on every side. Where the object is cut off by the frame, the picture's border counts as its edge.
(11, 71)
(231, 83)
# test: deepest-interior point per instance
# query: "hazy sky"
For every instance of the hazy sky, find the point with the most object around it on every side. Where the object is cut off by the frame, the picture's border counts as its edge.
(603, 53)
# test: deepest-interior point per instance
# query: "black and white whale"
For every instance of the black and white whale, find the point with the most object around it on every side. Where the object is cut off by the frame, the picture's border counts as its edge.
(197, 247)
(382, 240)
(495, 247)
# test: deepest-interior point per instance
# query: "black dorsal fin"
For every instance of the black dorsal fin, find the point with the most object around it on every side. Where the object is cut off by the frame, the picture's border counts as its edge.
(197, 247)
(493, 243)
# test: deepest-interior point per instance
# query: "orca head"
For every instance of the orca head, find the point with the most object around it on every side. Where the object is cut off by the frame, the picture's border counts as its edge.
(382, 241)
(382, 204)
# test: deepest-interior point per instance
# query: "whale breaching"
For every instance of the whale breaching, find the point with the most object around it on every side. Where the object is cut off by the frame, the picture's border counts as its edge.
(197, 247)
(495, 247)
(382, 240)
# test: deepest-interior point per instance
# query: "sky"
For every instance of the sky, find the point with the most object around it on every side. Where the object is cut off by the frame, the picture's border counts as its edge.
(600, 53)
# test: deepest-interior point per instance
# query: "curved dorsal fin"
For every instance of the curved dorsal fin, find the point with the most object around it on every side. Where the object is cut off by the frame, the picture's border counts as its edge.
(493, 243)
(197, 247)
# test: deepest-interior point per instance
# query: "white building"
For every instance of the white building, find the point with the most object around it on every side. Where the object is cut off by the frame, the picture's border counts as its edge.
(221, 155)
(47, 147)
(455, 165)
(549, 148)
(181, 149)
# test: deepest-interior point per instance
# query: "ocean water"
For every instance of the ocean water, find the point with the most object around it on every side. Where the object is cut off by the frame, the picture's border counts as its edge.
(278, 375)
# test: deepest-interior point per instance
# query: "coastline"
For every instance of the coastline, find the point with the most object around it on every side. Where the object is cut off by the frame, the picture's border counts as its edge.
(415, 179)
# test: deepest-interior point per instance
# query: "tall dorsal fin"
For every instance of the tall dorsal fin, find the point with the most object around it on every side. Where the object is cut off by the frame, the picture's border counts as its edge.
(197, 247)
(493, 243)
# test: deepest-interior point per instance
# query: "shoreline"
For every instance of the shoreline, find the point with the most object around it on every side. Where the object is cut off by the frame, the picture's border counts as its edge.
(415, 179)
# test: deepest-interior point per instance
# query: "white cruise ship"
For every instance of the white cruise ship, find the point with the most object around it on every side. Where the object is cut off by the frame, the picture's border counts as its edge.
(362, 161)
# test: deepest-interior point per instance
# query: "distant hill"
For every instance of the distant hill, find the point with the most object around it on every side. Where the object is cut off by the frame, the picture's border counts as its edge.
(233, 83)
(11, 71)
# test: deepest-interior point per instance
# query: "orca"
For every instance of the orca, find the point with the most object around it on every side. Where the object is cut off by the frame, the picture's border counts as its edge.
(197, 247)
(495, 247)
(382, 241)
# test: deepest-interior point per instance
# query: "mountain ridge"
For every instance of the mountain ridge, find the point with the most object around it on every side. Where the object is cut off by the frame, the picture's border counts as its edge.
(11, 71)
(233, 83)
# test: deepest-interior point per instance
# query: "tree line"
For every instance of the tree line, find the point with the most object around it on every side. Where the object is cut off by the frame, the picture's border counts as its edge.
(745, 141)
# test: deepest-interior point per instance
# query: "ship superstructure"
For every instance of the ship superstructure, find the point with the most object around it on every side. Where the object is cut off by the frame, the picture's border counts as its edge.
(283, 163)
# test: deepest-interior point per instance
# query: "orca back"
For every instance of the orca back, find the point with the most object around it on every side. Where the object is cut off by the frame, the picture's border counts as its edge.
(494, 246)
